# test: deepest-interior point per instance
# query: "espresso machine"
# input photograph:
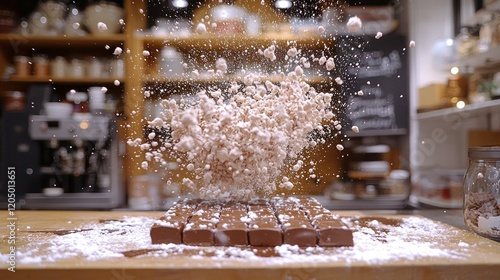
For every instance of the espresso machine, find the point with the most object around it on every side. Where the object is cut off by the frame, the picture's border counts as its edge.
(79, 163)
(65, 162)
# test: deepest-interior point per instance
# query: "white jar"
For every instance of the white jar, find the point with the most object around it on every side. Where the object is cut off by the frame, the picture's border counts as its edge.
(77, 68)
(117, 67)
(171, 62)
(95, 68)
(59, 67)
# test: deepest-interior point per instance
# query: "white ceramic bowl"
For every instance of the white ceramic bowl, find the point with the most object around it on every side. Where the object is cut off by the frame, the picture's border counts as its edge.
(58, 109)
(109, 14)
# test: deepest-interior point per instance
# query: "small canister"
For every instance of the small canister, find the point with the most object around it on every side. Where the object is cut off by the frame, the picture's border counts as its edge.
(22, 63)
(41, 66)
(482, 192)
(59, 67)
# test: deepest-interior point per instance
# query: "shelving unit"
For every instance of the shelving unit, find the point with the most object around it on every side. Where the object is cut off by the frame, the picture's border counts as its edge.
(472, 110)
(444, 134)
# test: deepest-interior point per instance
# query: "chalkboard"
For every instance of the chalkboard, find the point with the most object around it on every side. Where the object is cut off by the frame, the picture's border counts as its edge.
(378, 68)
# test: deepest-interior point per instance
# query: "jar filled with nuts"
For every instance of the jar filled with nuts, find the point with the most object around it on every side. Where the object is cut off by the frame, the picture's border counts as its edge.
(482, 192)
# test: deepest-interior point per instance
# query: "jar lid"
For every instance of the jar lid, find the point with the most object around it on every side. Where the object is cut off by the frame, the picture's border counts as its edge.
(485, 152)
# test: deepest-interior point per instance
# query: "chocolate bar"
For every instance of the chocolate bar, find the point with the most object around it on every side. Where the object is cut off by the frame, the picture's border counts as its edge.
(260, 223)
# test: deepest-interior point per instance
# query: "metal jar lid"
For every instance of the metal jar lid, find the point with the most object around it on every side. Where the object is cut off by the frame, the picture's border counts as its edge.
(485, 152)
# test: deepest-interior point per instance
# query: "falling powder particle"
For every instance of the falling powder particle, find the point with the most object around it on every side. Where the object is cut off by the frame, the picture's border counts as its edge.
(104, 89)
(360, 93)
(330, 64)
(107, 47)
(72, 91)
(379, 35)
(355, 129)
(412, 44)
(144, 165)
(321, 29)
(121, 21)
(201, 28)
(269, 53)
(322, 60)
(118, 51)
(145, 53)
(116, 82)
(101, 26)
(221, 65)
(340, 147)
(339, 81)
(292, 52)
(354, 24)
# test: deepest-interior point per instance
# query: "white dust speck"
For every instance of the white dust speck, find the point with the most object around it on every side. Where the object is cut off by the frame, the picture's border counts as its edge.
(354, 24)
(355, 128)
(104, 89)
(116, 83)
(292, 52)
(340, 147)
(330, 64)
(101, 26)
(118, 51)
(146, 53)
(412, 44)
(201, 28)
(379, 35)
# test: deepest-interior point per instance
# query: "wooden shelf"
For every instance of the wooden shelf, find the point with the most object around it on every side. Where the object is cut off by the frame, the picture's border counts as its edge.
(244, 42)
(62, 80)
(16, 40)
(488, 59)
(472, 109)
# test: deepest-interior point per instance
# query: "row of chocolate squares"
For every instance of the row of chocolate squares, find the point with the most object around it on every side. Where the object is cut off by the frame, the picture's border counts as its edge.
(266, 233)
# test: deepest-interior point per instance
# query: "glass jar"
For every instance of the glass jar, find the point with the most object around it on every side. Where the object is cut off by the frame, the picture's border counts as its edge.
(482, 192)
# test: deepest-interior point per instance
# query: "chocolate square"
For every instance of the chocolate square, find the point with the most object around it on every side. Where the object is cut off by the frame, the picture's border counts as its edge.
(231, 233)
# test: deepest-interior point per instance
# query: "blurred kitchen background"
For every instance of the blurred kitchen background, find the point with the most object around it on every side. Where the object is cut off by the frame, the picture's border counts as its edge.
(72, 94)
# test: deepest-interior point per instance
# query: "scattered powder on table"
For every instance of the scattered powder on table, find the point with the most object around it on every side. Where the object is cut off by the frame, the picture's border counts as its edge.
(375, 242)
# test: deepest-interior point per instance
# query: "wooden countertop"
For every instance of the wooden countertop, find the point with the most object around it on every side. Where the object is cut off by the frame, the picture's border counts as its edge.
(43, 236)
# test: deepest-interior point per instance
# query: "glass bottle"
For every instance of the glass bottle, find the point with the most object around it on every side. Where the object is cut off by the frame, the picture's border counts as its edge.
(482, 192)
